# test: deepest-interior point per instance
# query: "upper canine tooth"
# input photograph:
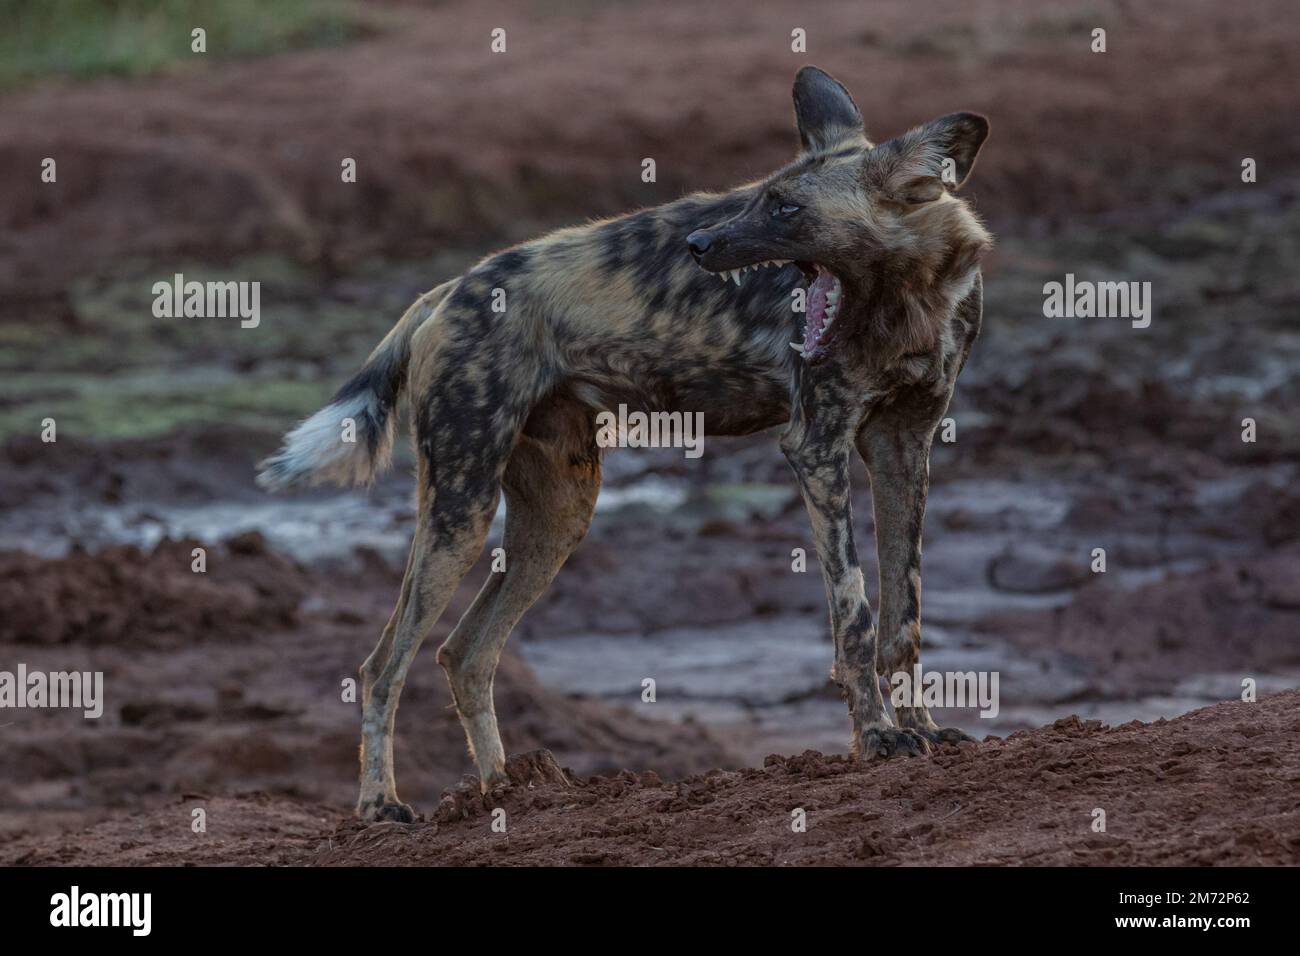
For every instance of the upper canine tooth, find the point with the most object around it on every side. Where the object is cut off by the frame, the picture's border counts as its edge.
(797, 347)
(735, 276)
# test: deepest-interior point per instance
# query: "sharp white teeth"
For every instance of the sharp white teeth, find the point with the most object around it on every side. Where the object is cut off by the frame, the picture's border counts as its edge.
(797, 347)
(735, 276)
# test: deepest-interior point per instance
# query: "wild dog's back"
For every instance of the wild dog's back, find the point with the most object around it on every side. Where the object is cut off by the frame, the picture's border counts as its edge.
(618, 311)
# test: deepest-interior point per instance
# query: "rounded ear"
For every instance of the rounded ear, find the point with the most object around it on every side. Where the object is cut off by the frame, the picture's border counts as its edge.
(958, 138)
(823, 110)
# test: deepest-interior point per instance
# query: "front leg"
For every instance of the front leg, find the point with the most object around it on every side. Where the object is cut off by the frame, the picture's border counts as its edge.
(895, 444)
(819, 453)
(895, 441)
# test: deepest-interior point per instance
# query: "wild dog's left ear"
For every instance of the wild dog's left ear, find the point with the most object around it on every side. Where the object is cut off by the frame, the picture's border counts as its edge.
(937, 156)
(823, 110)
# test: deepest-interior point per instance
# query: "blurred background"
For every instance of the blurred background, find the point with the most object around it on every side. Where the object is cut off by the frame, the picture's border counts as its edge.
(1071, 434)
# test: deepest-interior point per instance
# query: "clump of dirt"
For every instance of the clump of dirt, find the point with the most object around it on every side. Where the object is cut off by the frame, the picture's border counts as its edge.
(174, 595)
(1216, 786)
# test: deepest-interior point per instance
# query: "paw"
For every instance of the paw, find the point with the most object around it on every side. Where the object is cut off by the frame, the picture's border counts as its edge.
(383, 809)
(946, 735)
(537, 768)
(494, 781)
(878, 742)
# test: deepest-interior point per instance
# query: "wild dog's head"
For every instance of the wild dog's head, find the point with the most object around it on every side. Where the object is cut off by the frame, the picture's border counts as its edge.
(888, 251)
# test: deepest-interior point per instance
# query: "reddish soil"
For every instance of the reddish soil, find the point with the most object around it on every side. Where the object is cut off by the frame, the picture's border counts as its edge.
(1218, 786)
(230, 680)
(223, 693)
(455, 143)
(223, 688)
(1218, 619)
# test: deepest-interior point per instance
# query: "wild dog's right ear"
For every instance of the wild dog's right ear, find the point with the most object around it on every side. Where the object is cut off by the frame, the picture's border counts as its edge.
(823, 110)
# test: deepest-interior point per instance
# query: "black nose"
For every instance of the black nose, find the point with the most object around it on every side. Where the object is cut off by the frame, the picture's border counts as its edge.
(698, 242)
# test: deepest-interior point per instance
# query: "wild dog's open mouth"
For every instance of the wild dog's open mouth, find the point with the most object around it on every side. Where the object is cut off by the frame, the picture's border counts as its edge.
(822, 302)
(821, 310)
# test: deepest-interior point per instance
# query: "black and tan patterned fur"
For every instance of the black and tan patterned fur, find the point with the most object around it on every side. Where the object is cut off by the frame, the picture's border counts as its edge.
(620, 311)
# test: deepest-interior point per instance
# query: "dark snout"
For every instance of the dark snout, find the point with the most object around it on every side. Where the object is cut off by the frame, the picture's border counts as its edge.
(711, 245)
(734, 244)
(699, 242)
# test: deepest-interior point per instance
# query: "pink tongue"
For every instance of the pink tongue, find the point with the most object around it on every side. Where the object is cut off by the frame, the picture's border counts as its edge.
(817, 307)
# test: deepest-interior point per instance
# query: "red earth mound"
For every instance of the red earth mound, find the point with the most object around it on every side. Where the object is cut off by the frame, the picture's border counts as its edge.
(1216, 786)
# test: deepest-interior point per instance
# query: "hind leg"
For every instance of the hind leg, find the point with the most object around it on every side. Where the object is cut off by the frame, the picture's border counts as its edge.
(444, 549)
(379, 656)
(551, 484)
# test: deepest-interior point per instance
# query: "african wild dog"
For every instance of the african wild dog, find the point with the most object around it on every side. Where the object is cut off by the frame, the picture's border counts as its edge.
(631, 310)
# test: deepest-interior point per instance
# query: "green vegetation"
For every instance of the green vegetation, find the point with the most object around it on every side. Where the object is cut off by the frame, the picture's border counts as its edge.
(85, 38)
(113, 370)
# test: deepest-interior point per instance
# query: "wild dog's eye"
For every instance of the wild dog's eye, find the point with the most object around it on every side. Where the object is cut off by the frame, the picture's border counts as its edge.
(784, 210)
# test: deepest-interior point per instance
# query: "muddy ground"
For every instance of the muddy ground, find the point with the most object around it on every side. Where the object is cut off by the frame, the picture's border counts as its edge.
(1214, 787)
(225, 689)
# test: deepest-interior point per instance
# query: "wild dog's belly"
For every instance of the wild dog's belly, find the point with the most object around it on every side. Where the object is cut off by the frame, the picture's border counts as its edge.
(733, 400)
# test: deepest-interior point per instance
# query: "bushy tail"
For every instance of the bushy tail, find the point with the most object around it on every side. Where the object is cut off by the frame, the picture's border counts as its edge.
(350, 440)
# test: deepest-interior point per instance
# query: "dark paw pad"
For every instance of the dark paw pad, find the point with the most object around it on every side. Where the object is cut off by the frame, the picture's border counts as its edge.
(890, 742)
